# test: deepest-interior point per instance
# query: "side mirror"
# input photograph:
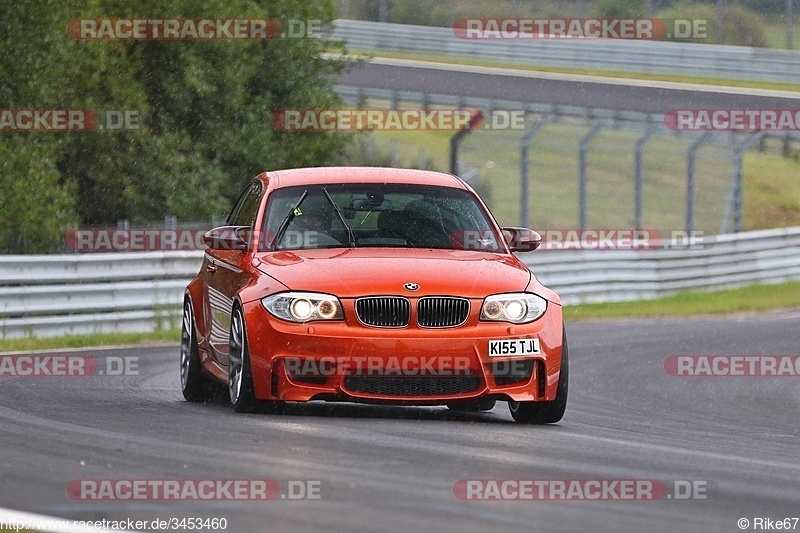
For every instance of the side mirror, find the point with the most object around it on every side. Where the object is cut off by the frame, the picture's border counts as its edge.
(228, 238)
(522, 239)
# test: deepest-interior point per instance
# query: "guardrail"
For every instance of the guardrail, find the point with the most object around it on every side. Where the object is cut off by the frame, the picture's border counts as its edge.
(638, 56)
(45, 296)
(721, 262)
(53, 295)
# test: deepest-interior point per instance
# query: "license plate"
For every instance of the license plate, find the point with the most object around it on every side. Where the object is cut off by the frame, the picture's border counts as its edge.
(502, 348)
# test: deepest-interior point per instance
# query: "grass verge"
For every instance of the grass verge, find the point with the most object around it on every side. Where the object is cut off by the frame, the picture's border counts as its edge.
(691, 303)
(96, 339)
(771, 191)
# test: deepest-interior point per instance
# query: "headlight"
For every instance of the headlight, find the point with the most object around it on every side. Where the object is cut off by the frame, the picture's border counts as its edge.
(518, 308)
(303, 306)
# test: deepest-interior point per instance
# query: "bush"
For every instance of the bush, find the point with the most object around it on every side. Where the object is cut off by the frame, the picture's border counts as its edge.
(606, 9)
(204, 115)
(740, 26)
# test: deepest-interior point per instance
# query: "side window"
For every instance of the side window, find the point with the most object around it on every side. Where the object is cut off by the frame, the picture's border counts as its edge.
(246, 209)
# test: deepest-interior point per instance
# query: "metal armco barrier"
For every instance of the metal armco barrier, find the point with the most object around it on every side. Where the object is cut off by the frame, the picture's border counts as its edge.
(48, 296)
(638, 56)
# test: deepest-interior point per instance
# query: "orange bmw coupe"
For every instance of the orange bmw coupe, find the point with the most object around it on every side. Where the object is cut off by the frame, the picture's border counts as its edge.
(372, 285)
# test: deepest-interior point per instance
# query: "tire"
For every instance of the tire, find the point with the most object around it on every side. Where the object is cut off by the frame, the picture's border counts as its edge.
(472, 406)
(195, 386)
(546, 412)
(240, 377)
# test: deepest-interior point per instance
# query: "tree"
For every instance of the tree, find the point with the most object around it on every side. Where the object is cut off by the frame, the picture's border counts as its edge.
(37, 205)
(204, 110)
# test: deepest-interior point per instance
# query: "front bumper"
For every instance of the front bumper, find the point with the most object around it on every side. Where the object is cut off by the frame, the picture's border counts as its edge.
(348, 361)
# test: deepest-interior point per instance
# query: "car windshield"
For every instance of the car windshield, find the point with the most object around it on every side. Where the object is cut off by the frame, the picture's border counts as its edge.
(380, 215)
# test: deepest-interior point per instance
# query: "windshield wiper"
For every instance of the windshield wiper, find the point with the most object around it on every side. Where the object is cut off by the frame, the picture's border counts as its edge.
(287, 219)
(350, 235)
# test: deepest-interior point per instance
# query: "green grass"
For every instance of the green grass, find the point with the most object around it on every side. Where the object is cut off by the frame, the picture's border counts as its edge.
(771, 191)
(775, 32)
(622, 74)
(748, 299)
(97, 339)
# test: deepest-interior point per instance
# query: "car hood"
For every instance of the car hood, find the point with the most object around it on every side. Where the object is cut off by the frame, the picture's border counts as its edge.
(357, 272)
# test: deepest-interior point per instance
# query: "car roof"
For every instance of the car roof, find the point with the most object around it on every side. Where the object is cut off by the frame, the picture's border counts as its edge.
(331, 175)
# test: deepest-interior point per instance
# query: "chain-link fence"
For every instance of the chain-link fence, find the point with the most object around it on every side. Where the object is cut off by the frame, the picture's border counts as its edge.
(600, 174)
(577, 168)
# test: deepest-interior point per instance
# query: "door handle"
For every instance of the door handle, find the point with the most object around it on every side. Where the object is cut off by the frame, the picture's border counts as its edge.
(212, 267)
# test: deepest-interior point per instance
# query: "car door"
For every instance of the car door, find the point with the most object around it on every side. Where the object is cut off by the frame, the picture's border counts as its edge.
(225, 272)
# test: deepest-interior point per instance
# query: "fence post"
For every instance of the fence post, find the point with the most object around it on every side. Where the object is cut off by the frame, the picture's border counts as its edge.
(524, 182)
(583, 147)
(475, 122)
(490, 111)
(690, 158)
(638, 182)
(359, 97)
(383, 11)
(735, 203)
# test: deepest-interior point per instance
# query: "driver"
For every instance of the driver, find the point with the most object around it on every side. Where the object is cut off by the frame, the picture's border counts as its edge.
(313, 223)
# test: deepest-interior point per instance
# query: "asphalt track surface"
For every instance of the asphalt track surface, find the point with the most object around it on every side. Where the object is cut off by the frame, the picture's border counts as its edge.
(570, 90)
(393, 469)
